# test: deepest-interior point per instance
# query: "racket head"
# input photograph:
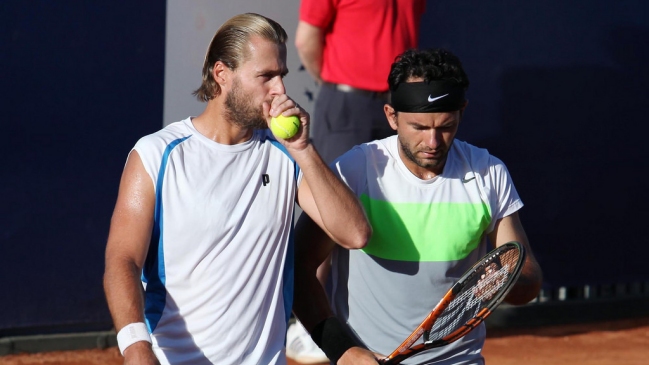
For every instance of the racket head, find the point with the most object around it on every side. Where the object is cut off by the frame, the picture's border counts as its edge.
(468, 303)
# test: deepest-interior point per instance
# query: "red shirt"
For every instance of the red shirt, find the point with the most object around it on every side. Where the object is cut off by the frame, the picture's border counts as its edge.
(363, 37)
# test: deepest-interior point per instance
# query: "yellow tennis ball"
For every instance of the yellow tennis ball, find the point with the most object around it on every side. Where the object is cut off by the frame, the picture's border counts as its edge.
(284, 127)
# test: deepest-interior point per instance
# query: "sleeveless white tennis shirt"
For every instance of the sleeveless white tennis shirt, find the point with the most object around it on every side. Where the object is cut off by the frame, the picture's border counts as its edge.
(219, 271)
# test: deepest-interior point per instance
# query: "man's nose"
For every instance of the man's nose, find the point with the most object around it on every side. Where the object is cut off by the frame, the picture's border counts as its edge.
(278, 86)
(433, 138)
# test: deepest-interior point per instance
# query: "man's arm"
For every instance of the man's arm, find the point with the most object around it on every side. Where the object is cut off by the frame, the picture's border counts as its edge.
(128, 242)
(322, 195)
(529, 282)
(309, 41)
(310, 304)
(331, 203)
(312, 247)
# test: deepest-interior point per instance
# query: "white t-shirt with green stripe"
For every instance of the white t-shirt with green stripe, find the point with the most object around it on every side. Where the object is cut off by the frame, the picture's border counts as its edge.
(426, 234)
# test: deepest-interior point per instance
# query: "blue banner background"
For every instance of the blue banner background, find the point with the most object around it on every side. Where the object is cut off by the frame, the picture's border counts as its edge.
(558, 92)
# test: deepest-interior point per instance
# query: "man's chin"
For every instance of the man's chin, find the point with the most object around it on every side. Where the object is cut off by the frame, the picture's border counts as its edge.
(254, 124)
(260, 124)
(429, 163)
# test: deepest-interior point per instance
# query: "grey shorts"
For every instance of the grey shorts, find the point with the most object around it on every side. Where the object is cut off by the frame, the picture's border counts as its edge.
(342, 120)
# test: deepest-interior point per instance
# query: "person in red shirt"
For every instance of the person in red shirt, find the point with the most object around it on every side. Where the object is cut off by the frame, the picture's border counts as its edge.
(348, 46)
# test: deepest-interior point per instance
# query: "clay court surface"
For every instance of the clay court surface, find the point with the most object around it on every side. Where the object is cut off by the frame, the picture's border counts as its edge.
(605, 343)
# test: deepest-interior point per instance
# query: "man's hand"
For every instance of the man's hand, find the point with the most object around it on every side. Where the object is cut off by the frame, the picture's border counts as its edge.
(286, 106)
(140, 353)
(358, 356)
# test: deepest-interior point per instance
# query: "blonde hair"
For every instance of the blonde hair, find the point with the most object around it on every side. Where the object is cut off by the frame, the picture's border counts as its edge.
(229, 46)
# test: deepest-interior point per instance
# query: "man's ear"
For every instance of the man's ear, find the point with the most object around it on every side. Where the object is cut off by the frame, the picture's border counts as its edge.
(221, 74)
(391, 115)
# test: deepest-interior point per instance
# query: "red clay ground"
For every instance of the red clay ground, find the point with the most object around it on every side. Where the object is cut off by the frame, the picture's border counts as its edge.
(605, 343)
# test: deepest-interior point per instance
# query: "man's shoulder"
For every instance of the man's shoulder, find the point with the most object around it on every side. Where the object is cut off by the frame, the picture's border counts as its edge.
(472, 153)
(468, 147)
(172, 133)
(265, 137)
(369, 151)
(477, 160)
(380, 147)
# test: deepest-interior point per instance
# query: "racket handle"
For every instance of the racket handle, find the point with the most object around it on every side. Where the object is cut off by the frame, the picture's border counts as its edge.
(393, 361)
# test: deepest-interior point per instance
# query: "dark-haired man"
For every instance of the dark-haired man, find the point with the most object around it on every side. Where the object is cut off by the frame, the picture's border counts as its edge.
(199, 259)
(432, 201)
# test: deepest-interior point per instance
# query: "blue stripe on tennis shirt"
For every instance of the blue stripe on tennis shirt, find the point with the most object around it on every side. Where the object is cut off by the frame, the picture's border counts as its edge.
(288, 276)
(289, 265)
(153, 273)
(283, 149)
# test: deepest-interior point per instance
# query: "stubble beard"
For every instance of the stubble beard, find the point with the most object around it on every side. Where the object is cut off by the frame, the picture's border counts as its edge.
(426, 164)
(240, 110)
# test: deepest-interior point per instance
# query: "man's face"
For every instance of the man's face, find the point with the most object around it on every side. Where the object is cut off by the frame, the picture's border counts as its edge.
(425, 139)
(258, 79)
(240, 108)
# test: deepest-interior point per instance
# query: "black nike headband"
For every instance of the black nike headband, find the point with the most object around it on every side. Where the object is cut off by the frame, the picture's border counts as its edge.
(428, 97)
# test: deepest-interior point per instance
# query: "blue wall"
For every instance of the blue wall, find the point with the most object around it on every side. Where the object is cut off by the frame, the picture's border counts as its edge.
(81, 82)
(559, 92)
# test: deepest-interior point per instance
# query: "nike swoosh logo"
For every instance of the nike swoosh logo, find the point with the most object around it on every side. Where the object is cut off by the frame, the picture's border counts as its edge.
(465, 180)
(431, 98)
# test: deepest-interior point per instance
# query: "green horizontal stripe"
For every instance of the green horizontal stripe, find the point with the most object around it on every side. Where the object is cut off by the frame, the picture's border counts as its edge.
(424, 232)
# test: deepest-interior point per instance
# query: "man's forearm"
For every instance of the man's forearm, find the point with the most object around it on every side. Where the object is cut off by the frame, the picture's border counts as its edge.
(529, 283)
(340, 210)
(124, 293)
(312, 247)
(313, 65)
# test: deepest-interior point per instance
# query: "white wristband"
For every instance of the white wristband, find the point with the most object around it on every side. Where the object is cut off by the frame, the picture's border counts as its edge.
(132, 333)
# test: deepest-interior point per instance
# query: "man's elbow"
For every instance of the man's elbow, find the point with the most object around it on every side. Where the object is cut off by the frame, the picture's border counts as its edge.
(359, 239)
(299, 46)
(526, 289)
(523, 297)
(304, 47)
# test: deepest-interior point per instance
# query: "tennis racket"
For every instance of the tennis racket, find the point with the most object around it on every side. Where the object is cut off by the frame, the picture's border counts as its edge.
(475, 295)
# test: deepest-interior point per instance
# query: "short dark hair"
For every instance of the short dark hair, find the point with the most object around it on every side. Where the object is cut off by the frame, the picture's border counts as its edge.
(429, 64)
(228, 46)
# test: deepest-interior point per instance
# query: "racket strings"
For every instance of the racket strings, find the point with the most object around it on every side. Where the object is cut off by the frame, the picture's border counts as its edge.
(480, 288)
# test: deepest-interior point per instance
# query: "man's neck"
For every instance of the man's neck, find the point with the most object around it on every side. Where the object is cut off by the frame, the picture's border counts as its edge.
(213, 124)
(422, 173)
